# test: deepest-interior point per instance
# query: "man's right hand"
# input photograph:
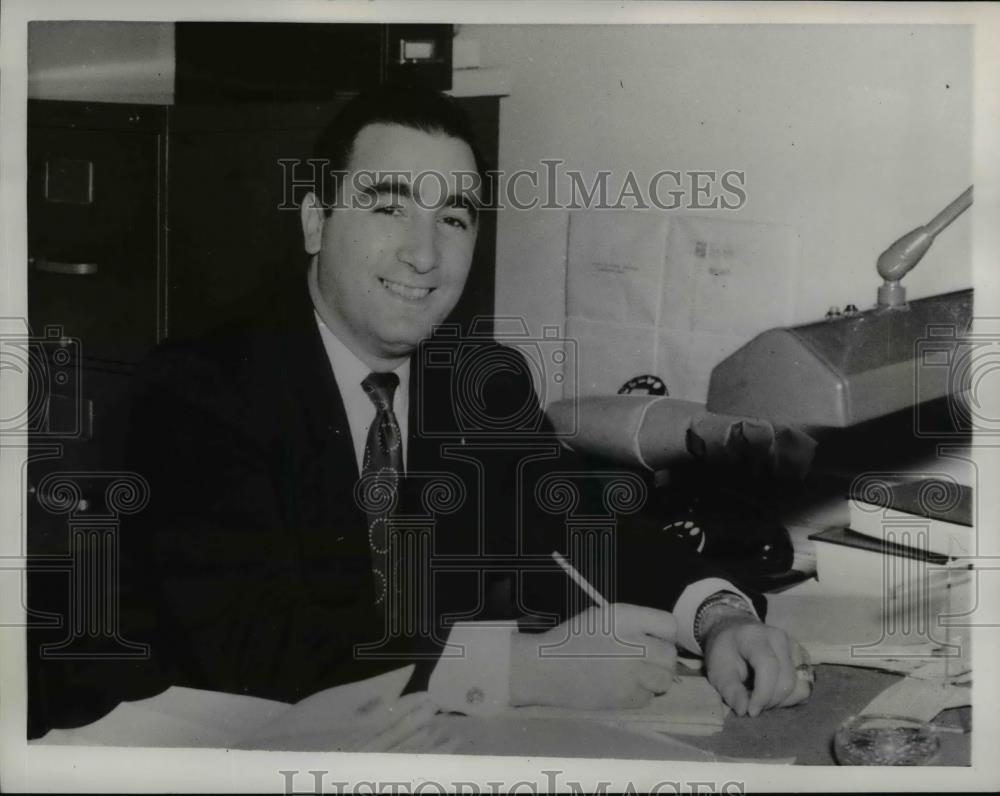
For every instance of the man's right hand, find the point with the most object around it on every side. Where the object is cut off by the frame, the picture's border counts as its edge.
(594, 662)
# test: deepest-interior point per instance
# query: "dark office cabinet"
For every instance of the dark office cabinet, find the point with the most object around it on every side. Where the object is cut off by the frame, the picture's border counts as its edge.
(145, 222)
(280, 61)
(94, 218)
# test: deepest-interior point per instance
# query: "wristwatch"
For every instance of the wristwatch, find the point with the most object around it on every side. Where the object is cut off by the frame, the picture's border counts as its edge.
(721, 599)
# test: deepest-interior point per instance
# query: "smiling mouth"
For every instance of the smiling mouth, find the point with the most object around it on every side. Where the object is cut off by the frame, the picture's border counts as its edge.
(405, 291)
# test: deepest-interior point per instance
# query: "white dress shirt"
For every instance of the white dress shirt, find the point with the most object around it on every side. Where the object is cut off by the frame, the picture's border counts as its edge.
(349, 371)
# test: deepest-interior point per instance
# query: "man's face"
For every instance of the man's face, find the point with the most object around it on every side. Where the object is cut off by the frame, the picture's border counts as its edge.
(395, 253)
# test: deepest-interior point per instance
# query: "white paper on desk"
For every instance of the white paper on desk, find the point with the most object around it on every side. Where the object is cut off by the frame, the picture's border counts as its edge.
(922, 700)
(328, 719)
(691, 706)
(179, 717)
(850, 629)
(923, 660)
(129, 725)
(185, 717)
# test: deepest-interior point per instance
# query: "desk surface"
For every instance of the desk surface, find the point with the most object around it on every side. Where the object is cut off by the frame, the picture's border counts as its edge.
(804, 731)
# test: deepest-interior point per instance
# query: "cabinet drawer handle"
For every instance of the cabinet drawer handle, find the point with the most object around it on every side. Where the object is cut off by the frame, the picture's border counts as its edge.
(65, 269)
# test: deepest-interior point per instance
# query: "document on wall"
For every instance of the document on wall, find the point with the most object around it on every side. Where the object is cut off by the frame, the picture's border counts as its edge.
(614, 280)
(616, 266)
(726, 281)
(603, 356)
(728, 278)
(670, 295)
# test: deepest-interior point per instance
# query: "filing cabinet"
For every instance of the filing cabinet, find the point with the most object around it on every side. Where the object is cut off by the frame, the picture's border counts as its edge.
(92, 236)
(303, 60)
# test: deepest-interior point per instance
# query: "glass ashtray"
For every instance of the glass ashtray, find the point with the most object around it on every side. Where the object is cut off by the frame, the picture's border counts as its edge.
(885, 741)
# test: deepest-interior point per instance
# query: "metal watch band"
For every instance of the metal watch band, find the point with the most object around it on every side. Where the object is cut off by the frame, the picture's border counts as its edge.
(728, 599)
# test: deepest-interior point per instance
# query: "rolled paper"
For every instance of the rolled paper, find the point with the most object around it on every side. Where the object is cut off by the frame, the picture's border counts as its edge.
(653, 432)
(662, 437)
(609, 426)
(647, 431)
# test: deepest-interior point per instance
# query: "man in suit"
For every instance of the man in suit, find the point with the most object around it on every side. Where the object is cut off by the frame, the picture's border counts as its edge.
(323, 508)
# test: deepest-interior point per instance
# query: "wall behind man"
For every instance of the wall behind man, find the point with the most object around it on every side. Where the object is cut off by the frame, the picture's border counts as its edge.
(852, 135)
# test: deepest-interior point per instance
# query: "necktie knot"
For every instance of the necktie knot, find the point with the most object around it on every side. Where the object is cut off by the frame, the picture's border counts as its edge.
(380, 388)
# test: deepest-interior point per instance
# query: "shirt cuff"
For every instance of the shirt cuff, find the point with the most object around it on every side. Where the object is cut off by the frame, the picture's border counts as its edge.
(473, 673)
(687, 605)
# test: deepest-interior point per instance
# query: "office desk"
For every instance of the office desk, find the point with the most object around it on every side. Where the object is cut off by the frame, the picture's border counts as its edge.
(804, 731)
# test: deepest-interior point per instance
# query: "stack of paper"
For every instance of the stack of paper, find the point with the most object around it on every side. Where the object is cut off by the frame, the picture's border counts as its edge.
(331, 720)
(691, 707)
(932, 513)
(920, 660)
(902, 532)
(178, 717)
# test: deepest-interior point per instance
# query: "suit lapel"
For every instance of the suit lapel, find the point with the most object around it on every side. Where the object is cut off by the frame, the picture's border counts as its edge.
(431, 417)
(315, 389)
(334, 533)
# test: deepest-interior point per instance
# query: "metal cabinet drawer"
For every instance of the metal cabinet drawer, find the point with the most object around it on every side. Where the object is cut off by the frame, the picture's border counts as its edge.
(83, 441)
(93, 238)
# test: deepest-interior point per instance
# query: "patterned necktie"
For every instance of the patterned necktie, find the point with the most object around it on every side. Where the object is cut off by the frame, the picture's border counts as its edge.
(383, 465)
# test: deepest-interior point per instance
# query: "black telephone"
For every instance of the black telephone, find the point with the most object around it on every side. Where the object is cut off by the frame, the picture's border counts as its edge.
(738, 534)
(710, 509)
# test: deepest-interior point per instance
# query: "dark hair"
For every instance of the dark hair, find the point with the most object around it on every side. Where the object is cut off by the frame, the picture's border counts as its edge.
(419, 109)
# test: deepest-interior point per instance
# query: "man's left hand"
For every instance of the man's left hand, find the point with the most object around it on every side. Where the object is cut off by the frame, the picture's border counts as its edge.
(738, 647)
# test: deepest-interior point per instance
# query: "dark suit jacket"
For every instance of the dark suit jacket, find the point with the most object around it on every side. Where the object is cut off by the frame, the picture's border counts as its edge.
(253, 558)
